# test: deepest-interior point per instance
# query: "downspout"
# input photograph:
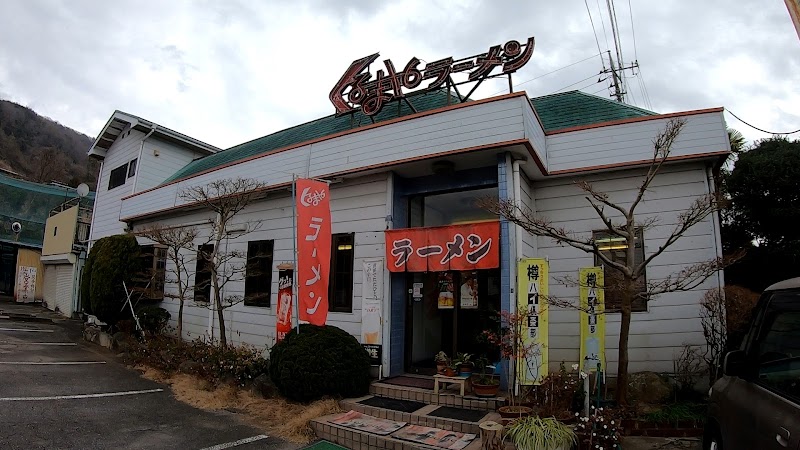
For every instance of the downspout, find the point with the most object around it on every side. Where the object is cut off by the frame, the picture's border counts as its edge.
(511, 194)
(387, 284)
(715, 225)
(518, 202)
(139, 158)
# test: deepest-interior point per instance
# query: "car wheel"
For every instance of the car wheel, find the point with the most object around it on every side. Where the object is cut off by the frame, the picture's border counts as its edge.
(712, 439)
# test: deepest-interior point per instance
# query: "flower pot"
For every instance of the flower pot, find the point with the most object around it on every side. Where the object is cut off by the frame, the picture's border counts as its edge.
(509, 412)
(465, 370)
(440, 368)
(485, 390)
(449, 372)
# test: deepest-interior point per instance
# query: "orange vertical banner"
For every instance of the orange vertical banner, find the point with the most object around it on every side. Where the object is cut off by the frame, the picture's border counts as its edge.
(313, 249)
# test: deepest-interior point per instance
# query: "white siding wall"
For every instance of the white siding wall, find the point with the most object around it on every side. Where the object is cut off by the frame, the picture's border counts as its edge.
(528, 202)
(154, 169)
(703, 133)
(105, 221)
(672, 320)
(534, 132)
(453, 130)
(357, 206)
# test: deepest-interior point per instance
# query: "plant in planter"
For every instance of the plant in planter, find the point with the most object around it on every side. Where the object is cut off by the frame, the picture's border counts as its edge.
(484, 384)
(535, 433)
(599, 431)
(561, 394)
(442, 361)
(511, 343)
(463, 363)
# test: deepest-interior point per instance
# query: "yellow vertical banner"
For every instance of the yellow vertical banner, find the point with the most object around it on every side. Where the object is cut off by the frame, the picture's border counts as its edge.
(532, 291)
(593, 319)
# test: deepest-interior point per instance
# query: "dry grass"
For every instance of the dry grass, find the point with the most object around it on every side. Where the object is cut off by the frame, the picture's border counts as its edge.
(274, 416)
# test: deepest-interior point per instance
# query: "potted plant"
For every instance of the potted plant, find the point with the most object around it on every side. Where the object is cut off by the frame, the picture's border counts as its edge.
(535, 433)
(510, 340)
(483, 384)
(463, 363)
(442, 361)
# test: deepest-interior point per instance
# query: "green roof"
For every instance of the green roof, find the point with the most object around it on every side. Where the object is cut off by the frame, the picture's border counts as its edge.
(326, 126)
(30, 204)
(576, 108)
(556, 111)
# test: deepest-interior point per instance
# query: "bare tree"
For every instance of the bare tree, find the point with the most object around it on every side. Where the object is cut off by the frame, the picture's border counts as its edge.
(179, 243)
(226, 198)
(621, 223)
(47, 164)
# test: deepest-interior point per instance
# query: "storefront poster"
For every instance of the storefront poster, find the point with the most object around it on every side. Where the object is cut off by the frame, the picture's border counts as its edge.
(371, 301)
(313, 249)
(468, 298)
(593, 319)
(284, 313)
(437, 249)
(446, 292)
(532, 291)
(26, 284)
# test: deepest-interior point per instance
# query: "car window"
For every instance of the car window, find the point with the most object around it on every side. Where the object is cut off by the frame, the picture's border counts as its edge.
(779, 346)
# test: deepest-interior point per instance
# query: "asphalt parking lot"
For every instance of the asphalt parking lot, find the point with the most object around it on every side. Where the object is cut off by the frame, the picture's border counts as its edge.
(58, 392)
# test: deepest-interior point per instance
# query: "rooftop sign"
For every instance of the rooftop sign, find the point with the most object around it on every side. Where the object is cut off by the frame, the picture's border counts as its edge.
(356, 88)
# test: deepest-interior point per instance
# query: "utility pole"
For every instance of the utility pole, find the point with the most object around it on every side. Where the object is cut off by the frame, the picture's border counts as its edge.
(618, 82)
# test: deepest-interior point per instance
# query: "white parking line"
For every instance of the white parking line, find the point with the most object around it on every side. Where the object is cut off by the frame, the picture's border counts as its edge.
(237, 443)
(37, 343)
(26, 329)
(73, 397)
(53, 363)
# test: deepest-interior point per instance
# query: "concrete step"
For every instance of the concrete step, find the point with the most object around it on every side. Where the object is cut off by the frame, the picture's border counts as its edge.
(359, 440)
(419, 417)
(447, 397)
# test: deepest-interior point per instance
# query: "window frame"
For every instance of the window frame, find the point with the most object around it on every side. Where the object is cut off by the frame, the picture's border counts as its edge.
(203, 265)
(777, 304)
(345, 306)
(263, 268)
(155, 256)
(132, 167)
(120, 180)
(612, 302)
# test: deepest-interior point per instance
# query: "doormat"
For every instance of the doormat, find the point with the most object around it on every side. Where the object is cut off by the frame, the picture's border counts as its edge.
(323, 445)
(369, 424)
(402, 380)
(435, 437)
(449, 412)
(406, 406)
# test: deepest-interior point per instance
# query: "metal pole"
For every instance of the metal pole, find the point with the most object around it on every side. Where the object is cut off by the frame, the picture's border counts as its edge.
(296, 302)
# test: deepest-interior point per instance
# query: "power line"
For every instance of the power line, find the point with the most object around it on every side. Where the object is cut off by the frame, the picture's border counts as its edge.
(633, 30)
(597, 41)
(756, 128)
(602, 22)
(548, 73)
(573, 84)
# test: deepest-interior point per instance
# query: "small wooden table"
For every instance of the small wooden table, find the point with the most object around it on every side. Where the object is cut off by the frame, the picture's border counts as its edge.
(441, 379)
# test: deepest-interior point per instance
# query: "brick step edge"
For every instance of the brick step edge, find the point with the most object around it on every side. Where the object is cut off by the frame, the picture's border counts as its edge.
(416, 418)
(429, 398)
(357, 440)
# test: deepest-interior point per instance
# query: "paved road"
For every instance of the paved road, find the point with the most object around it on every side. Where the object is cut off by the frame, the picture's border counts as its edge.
(48, 398)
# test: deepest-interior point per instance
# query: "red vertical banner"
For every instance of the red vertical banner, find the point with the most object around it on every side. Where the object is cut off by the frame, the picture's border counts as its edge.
(283, 324)
(313, 249)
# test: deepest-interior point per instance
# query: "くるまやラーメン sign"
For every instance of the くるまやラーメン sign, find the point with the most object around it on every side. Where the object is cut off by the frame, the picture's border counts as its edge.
(357, 88)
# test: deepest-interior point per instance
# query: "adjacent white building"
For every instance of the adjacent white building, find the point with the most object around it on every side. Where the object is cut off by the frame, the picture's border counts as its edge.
(426, 169)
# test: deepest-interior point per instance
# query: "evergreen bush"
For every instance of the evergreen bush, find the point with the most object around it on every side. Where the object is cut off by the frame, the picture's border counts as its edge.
(112, 261)
(320, 361)
(153, 319)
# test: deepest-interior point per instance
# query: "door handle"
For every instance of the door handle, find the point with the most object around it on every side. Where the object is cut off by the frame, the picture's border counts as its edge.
(783, 437)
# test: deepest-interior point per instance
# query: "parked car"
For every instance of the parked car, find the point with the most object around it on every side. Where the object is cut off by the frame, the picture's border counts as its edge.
(756, 403)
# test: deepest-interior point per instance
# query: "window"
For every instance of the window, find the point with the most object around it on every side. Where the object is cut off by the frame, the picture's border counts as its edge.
(155, 267)
(779, 346)
(340, 290)
(132, 168)
(55, 231)
(258, 273)
(616, 249)
(450, 208)
(117, 177)
(202, 274)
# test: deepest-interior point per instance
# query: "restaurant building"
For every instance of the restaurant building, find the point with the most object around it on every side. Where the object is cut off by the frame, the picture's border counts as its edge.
(417, 266)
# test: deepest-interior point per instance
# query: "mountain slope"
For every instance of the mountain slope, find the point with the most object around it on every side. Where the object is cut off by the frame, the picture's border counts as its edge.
(42, 150)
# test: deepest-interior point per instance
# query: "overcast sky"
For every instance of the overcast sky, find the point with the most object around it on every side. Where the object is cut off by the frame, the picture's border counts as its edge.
(229, 71)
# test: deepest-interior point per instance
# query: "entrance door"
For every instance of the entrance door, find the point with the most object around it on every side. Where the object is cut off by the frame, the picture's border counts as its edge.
(451, 322)
(8, 266)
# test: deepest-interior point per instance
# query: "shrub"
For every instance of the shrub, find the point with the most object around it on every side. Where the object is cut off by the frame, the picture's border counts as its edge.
(153, 319)
(112, 261)
(319, 361)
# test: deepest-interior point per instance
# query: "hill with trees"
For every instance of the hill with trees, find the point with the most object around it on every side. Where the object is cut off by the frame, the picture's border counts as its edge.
(42, 150)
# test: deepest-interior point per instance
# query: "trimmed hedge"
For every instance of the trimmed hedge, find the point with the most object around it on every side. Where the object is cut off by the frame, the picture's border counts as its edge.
(112, 260)
(320, 361)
